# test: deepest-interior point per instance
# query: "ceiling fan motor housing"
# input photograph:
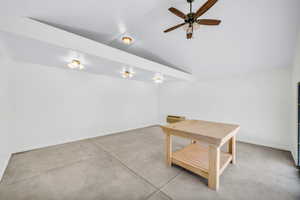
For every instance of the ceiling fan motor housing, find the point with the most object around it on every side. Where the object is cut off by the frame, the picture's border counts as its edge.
(190, 18)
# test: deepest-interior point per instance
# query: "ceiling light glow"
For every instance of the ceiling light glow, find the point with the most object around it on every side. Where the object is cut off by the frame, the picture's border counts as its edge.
(127, 73)
(127, 40)
(75, 64)
(158, 78)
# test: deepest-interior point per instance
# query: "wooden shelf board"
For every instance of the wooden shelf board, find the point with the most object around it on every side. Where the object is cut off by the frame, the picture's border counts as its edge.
(195, 157)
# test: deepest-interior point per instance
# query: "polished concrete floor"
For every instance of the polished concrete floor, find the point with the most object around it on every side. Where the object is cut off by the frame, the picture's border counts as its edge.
(130, 165)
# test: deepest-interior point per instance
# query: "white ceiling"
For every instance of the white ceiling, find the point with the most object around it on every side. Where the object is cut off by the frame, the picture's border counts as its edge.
(253, 35)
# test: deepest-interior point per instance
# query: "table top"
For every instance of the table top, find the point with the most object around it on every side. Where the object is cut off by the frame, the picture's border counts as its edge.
(211, 132)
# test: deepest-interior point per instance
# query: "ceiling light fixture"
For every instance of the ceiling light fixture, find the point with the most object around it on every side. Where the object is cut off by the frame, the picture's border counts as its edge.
(127, 40)
(158, 78)
(127, 73)
(75, 64)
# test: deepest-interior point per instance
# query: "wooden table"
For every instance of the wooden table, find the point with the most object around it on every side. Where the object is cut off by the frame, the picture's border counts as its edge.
(207, 161)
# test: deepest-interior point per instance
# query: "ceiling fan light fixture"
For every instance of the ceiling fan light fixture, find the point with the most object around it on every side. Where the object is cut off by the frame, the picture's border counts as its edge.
(195, 26)
(75, 64)
(189, 29)
(127, 40)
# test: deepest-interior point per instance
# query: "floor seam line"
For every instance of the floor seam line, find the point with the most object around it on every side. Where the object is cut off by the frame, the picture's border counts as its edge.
(48, 170)
(150, 195)
(162, 187)
(157, 189)
(165, 194)
(114, 156)
(170, 180)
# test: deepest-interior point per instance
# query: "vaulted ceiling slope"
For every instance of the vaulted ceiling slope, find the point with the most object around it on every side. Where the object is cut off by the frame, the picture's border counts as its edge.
(254, 35)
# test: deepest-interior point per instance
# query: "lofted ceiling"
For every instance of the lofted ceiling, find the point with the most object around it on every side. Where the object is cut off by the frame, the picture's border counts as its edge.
(254, 34)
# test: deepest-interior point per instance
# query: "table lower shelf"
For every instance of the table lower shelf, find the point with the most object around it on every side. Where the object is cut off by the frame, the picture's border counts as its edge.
(194, 157)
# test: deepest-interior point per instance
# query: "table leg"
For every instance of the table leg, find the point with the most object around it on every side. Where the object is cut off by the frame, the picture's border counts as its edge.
(232, 149)
(168, 146)
(214, 167)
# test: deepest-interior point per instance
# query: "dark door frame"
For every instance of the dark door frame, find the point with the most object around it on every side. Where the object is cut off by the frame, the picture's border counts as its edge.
(298, 120)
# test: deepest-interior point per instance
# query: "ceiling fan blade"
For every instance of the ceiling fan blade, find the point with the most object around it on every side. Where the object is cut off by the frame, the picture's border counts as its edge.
(174, 27)
(177, 13)
(205, 8)
(189, 35)
(208, 21)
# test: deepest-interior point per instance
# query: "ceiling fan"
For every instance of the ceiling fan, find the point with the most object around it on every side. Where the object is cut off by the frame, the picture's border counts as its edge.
(191, 19)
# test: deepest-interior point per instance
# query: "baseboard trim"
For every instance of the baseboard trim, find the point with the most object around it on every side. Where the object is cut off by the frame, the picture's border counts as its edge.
(24, 150)
(5, 166)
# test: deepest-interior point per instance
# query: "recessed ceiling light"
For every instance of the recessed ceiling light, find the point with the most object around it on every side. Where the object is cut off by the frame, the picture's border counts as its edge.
(158, 78)
(127, 40)
(75, 64)
(127, 73)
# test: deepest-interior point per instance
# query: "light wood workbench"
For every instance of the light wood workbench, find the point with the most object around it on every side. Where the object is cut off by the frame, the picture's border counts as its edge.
(206, 161)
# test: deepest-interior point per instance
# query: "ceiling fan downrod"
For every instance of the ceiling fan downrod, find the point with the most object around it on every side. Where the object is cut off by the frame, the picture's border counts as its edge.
(190, 29)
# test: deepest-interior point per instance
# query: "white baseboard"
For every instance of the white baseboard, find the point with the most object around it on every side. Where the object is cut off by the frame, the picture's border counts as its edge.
(295, 157)
(100, 133)
(284, 147)
(4, 159)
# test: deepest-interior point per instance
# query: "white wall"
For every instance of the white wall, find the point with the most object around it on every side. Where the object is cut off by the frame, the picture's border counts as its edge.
(259, 102)
(295, 81)
(54, 106)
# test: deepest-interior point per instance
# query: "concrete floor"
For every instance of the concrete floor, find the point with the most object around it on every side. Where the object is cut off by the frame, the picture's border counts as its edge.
(131, 166)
